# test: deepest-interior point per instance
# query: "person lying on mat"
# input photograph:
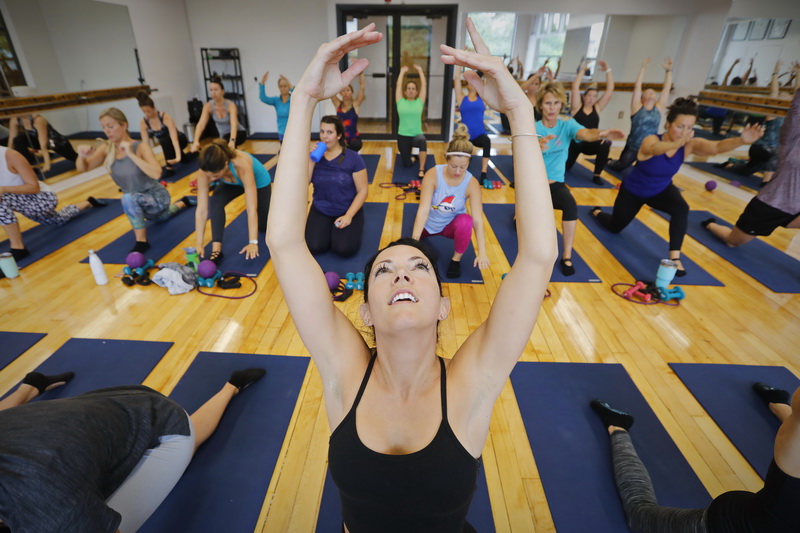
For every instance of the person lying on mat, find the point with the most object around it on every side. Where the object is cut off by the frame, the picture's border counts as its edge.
(22, 192)
(102, 461)
(446, 191)
(237, 173)
(134, 168)
(660, 158)
(556, 136)
(335, 220)
(385, 404)
(29, 134)
(773, 509)
(778, 203)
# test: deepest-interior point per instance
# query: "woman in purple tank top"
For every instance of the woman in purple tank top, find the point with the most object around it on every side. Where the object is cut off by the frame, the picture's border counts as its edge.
(660, 158)
(348, 109)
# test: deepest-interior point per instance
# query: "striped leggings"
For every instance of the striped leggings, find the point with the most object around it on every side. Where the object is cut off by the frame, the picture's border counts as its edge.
(39, 207)
(639, 500)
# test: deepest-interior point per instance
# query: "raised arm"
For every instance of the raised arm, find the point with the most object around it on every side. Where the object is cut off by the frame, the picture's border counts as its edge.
(747, 72)
(486, 358)
(774, 84)
(652, 146)
(636, 97)
(201, 126)
(423, 84)
(575, 98)
(750, 134)
(327, 333)
(609, 92)
(398, 90)
(362, 92)
(665, 90)
(730, 71)
(457, 86)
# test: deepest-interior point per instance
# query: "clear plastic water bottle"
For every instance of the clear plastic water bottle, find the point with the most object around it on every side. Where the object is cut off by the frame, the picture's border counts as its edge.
(99, 273)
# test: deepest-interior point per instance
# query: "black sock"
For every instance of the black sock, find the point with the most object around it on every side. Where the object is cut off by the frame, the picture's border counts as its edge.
(41, 382)
(454, 270)
(141, 247)
(770, 394)
(483, 176)
(611, 416)
(20, 253)
(708, 221)
(241, 379)
(95, 202)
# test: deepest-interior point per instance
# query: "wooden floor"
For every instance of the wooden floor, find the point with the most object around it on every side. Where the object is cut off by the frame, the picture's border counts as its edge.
(743, 322)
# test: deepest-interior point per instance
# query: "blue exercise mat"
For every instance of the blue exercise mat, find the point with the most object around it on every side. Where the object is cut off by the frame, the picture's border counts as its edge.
(581, 177)
(374, 219)
(100, 363)
(479, 515)
(371, 161)
(475, 163)
(505, 164)
(726, 394)
(15, 344)
(182, 169)
(57, 167)
(501, 218)
(572, 448)
(43, 240)
(773, 268)
(236, 236)
(615, 173)
(444, 248)
(163, 236)
(223, 488)
(640, 250)
(401, 174)
(747, 180)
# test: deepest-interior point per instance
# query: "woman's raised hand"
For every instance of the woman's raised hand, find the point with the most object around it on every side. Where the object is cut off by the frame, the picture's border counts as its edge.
(751, 133)
(322, 78)
(498, 87)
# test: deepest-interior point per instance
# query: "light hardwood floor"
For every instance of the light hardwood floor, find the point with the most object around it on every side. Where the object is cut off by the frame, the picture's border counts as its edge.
(743, 322)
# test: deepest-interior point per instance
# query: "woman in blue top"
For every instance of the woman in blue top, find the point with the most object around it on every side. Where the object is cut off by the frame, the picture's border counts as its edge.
(660, 158)
(646, 111)
(238, 173)
(446, 190)
(336, 218)
(281, 102)
(225, 117)
(348, 109)
(472, 109)
(555, 137)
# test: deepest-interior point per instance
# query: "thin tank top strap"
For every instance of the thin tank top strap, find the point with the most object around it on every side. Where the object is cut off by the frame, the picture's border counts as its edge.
(443, 381)
(365, 380)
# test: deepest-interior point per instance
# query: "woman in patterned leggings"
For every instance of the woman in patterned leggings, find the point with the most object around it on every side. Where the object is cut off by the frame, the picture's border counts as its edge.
(21, 192)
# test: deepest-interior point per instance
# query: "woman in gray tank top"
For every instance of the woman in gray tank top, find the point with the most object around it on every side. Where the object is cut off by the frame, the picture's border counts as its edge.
(225, 116)
(134, 168)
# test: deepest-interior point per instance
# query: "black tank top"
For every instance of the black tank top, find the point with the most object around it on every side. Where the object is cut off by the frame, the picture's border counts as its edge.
(592, 120)
(161, 134)
(426, 491)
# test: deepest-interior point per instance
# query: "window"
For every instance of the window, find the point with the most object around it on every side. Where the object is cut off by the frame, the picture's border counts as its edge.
(10, 72)
(548, 42)
(497, 30)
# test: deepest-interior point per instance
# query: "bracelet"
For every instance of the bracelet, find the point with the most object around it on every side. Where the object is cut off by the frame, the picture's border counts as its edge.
(525, 135)
(608, 71)
(254, 241)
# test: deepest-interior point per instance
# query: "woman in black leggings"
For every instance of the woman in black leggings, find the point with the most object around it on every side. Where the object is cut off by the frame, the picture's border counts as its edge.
(238, 173)
(161, 127)
(28, 134)
(773, 509)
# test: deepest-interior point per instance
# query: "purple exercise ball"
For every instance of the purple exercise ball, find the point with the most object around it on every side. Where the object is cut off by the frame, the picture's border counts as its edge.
(332, 279)
(207, 268)
(711, 185)
(135, 260)
(736, 183)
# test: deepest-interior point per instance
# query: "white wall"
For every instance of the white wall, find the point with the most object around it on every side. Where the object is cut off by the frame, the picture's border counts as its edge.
(764, 53)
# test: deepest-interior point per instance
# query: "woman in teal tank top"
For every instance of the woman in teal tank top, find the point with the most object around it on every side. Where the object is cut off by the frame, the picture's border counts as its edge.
(237, 173)
(410, 100)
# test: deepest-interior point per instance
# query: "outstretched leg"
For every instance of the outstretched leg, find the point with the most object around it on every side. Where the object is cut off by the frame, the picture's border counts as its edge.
(787, 441)
(33, 385)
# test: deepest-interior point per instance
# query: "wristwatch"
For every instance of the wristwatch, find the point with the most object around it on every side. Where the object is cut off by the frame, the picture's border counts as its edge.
(254, 241)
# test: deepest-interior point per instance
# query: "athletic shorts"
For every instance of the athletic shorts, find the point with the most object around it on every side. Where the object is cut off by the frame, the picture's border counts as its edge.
(761, 219)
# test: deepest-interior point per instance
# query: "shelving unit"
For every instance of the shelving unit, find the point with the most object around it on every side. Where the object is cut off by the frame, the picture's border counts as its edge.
(225, 63)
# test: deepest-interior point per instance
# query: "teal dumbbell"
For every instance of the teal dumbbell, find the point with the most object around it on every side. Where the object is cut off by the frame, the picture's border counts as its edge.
(359, 281)
(350, 284)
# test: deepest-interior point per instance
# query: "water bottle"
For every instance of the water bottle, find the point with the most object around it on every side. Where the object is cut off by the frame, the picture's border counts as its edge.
(318, 152)
(99, 273)
(192, 257)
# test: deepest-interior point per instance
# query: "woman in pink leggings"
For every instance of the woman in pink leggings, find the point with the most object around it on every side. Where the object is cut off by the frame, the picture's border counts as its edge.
(446, 189)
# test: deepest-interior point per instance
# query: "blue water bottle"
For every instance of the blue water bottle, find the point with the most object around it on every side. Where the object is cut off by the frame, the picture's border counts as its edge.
(318, 152)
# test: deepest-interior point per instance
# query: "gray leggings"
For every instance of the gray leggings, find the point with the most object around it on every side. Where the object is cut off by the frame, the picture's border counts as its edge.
(639, 500)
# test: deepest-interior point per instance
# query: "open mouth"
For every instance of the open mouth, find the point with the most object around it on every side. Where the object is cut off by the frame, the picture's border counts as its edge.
(403, 296)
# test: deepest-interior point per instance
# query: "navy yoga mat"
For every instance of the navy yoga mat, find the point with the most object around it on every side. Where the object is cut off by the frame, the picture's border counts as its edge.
(748, 180)
(501, 217)
(572, 448)
(640, 250)
(100, 363)
(162, 236)
(616, 174)
(223, 488)
(182, 169)
(777, 270)
(726, 394)
(374, 219)
(444, 247)
(479, 515)
(43, 240)
(58, 167)
(236, 236)
(505, 164)
(264, 158)
(401, 174)
(15, 344)
(474, 168)
(581, 177)
(371, 161)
